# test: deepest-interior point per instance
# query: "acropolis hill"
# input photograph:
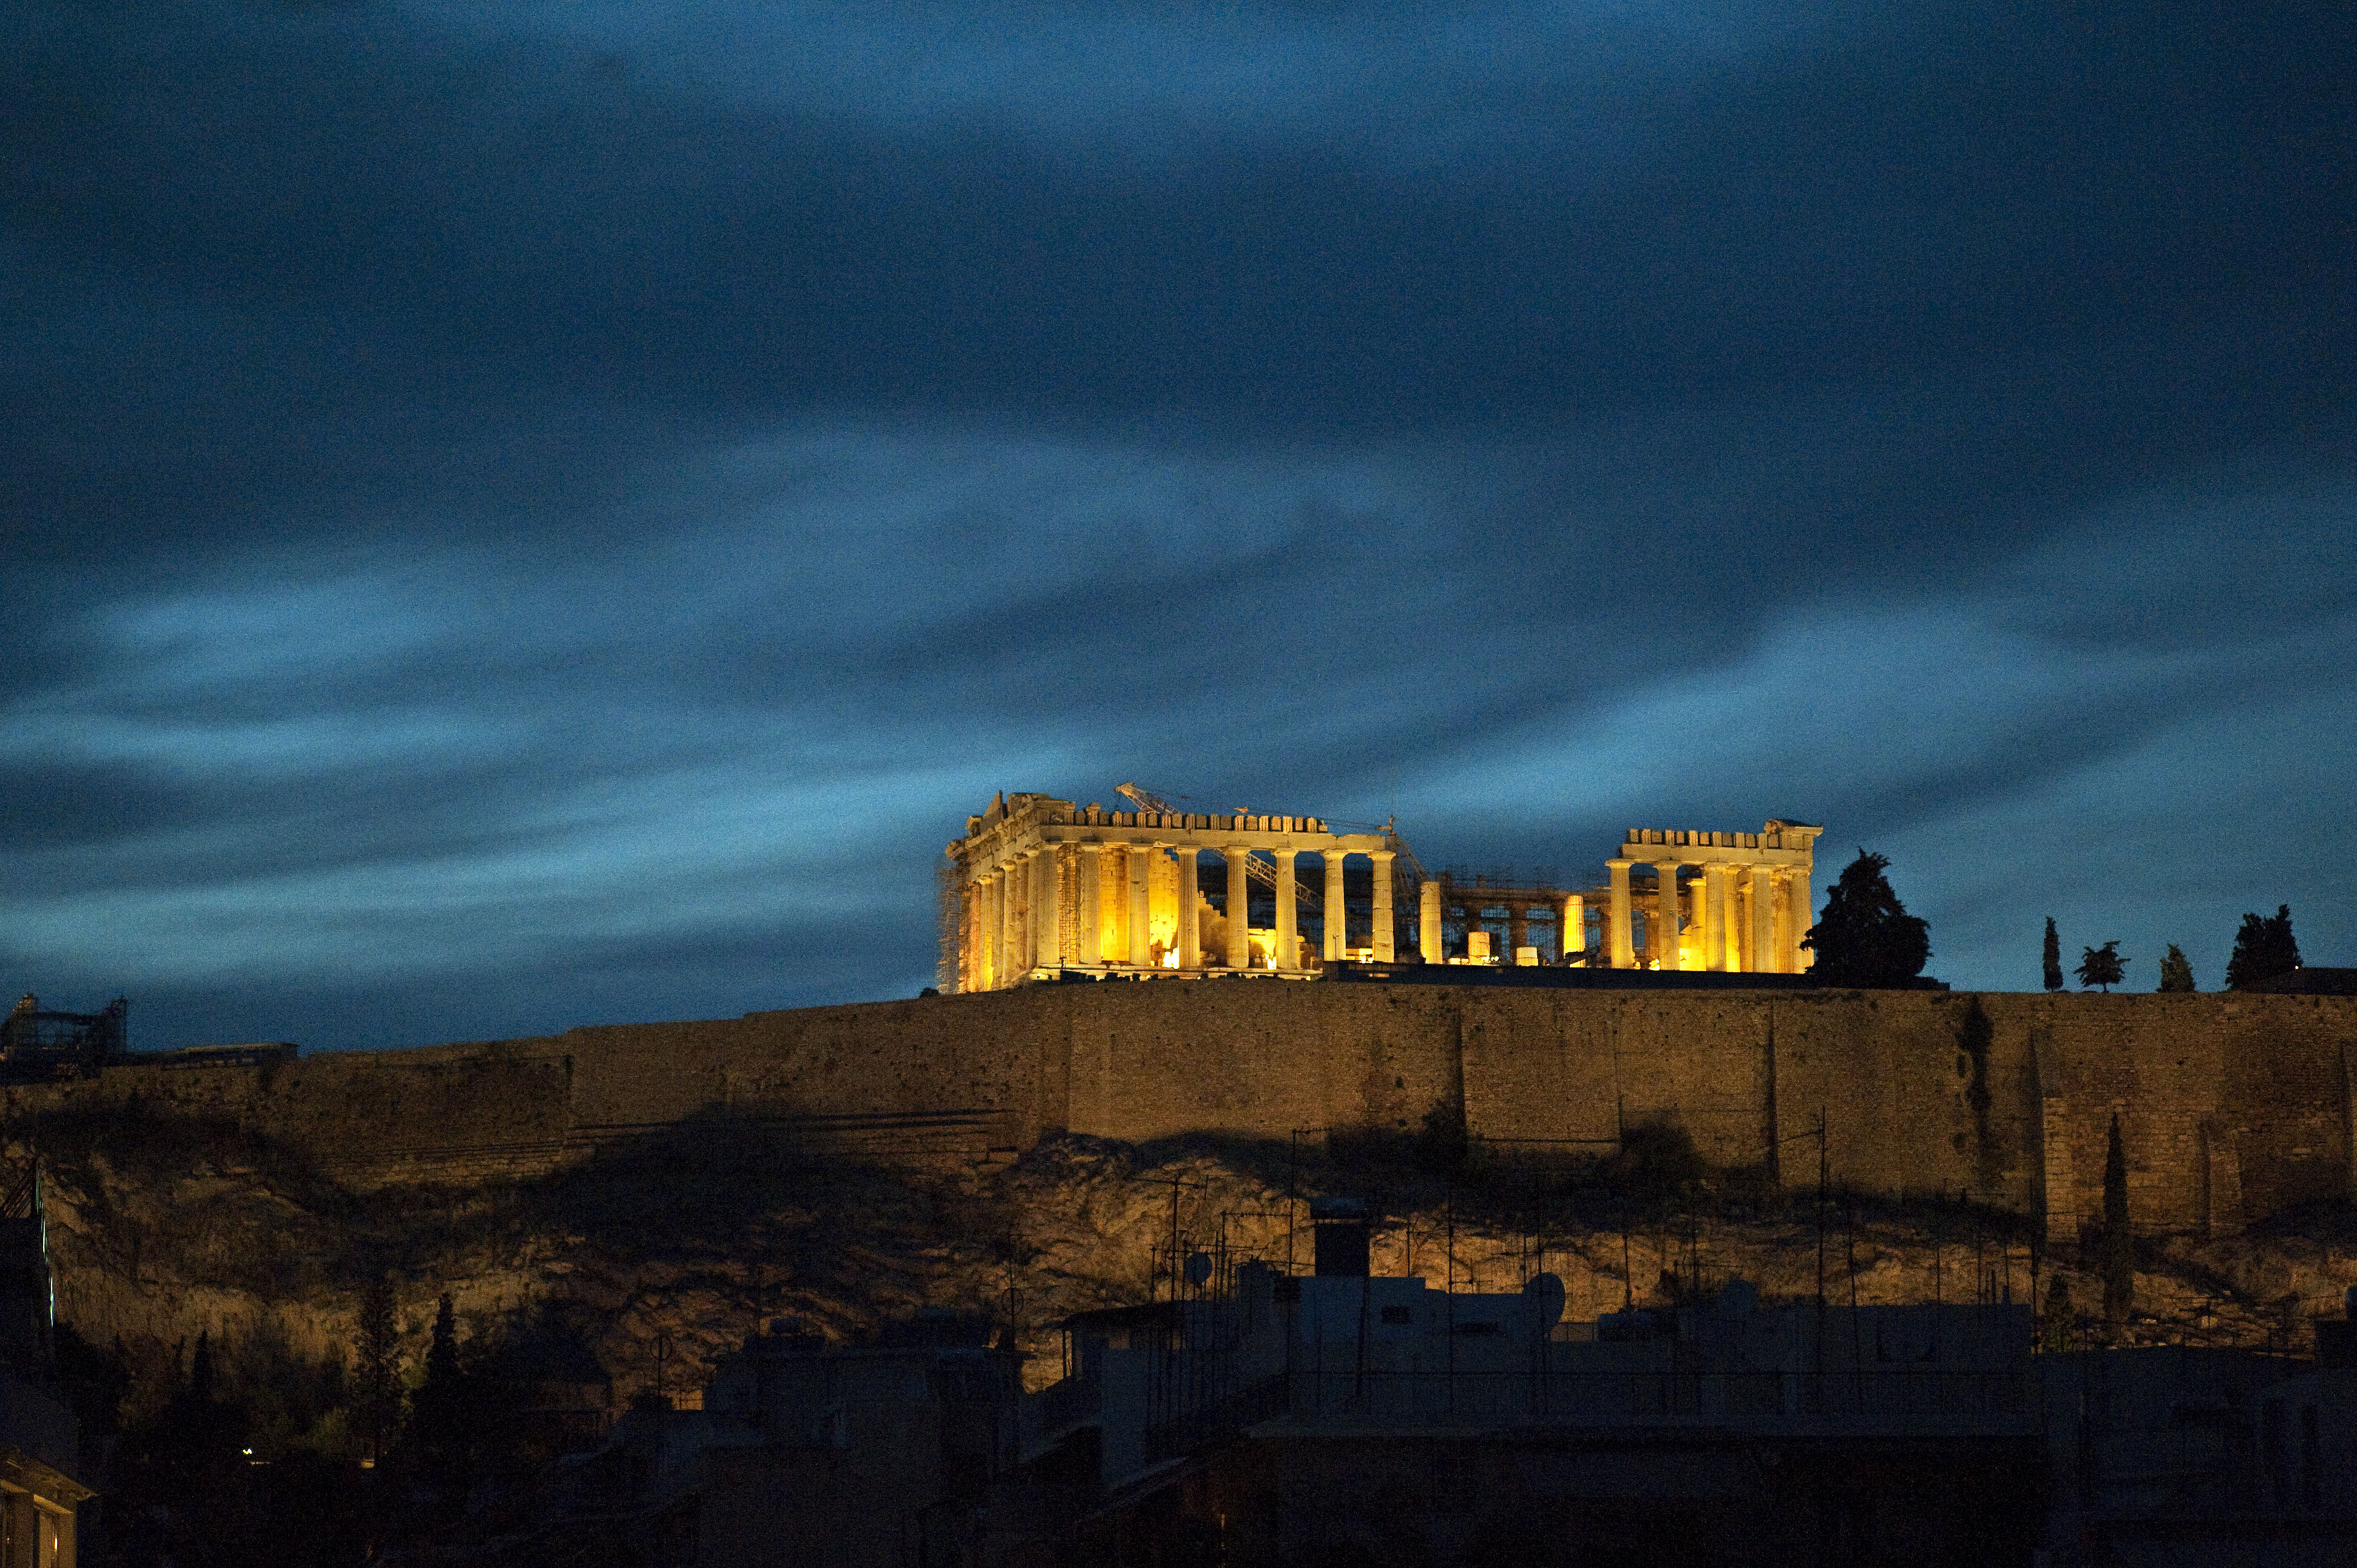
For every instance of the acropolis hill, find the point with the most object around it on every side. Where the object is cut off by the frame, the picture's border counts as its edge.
(672, 1181)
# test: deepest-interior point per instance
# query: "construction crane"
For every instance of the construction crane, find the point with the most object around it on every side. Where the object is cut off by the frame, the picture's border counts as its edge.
(1309, 900)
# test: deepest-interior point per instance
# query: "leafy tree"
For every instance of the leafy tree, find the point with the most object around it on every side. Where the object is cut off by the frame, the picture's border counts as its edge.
(2264, 948)
(2176, 973)
(377, 1380)
(2053, 964)
(2119, 1247)
(1865, 936)
(2103, 966)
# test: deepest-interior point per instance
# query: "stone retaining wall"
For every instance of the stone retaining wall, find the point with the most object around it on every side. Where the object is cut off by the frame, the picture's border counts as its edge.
(2231, 1106)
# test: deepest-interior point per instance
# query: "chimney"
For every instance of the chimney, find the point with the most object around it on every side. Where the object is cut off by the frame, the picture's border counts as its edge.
(1342, 1229)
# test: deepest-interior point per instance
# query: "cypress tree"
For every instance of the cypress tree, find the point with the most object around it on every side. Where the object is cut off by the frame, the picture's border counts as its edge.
(438, 1425)
(377, 1352)
(2119, 1247)
(1866, 937)
(2053, 957)
(2176, 973)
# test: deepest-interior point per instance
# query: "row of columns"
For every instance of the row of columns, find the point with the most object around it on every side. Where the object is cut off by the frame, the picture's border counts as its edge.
(1572, 937)
(1776, 900)
(1017, 910)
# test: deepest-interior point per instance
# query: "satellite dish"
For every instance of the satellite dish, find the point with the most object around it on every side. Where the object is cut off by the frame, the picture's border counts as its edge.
(1545, 1293)
(1199, 1268)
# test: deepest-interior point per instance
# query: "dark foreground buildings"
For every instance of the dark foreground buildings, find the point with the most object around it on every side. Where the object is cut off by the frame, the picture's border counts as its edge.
(1342, 1419)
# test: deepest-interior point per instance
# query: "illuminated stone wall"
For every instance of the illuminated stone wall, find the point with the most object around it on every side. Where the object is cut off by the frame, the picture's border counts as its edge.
(2232, 1106)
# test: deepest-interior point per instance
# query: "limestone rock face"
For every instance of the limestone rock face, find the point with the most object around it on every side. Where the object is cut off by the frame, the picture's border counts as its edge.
(665, 1252)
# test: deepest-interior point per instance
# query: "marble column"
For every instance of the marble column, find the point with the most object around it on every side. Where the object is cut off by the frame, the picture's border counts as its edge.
(1386, 940)
(1668, 952)
(993, 928)
(1574, 937)
(1518, 931)
(1288, 912)
(1141, 928)
(1338, 918)
(977, 910)
(1731, 945)
(1427, 922)
(1048, 947)
(1797, 921)
(1239, 908)
(1092, 906)
(1760, 893)
(1190, 925)
(1712, 895)
(1022, 890)
(1618, 935)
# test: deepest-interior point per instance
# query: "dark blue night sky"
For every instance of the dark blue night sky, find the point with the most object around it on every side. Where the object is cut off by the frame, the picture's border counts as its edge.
(534, 514)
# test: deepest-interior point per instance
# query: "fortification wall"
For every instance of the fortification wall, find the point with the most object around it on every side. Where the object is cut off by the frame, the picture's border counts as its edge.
(2231, 1106)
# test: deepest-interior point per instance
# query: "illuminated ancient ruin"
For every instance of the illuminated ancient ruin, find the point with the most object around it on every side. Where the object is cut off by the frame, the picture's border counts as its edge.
(1744, 910)
(1045, 886)
(1040, 886)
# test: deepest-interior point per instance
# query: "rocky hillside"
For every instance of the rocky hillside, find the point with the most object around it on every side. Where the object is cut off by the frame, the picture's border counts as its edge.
(664, 1254)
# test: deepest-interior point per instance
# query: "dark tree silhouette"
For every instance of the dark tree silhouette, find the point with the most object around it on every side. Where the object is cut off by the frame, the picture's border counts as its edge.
(2103, 966)
(377, 1375)
(2264, 948)
(440, 1423)
(2119, 1247)
(2176, 973)
(1865, 936)
(2053, 959)
(2054, 1328)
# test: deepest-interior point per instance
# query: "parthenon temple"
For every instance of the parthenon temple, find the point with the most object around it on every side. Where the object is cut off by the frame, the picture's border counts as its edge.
(1040, 887)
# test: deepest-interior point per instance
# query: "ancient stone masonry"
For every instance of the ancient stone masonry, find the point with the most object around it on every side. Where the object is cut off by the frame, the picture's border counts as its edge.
(2235, 1106)
(1051, 887)
(1744, 910)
